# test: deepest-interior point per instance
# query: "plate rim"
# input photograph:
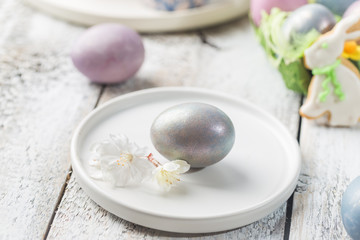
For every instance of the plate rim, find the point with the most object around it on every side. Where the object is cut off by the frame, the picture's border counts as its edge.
(267, 205)
(165, 21)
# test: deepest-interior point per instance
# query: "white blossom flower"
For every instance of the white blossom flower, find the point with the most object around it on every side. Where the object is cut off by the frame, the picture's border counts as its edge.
(168, 175)
(120, 161)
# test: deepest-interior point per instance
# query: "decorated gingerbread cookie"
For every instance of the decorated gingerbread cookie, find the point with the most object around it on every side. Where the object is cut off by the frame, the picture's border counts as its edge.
(334, 90)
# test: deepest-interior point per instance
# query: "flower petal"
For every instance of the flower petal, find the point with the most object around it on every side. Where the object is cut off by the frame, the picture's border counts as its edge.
(183, 166)
(94, 163)
(104, 148)
(121, 162)
(96, 175)
(108, 161)
(119, 176)
(140, 151)
(165, 179)
(120, 141)
(171, 166)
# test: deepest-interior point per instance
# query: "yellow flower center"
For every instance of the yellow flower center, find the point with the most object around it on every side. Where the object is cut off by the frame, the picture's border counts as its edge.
(125, 158)
(170, 178)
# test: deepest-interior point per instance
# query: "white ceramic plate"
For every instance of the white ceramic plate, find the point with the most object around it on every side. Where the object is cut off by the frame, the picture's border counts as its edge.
(140, 17)
(254, 179)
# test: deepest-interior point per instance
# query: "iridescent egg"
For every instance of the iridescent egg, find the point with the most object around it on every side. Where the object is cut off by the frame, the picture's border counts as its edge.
(353, 9)
(108, 53)
(258, 6)
(198, 133)
(338, 7)
(308, 17)
(350, 209)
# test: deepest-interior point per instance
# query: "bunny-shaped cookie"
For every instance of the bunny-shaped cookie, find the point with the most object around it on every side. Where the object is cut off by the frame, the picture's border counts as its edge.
(335, 88)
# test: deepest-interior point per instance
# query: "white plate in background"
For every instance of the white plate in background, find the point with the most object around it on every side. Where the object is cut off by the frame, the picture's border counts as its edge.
(135, 14)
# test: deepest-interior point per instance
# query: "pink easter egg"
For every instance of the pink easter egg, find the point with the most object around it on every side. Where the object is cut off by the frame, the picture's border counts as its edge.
(108, 53)
(257, 6)
(354, 8)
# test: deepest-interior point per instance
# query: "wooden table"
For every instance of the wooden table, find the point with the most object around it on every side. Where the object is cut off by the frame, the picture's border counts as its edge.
(43, 98)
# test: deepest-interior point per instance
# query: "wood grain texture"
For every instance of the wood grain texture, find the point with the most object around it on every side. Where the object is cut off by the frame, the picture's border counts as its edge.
(171, 60)
(41, 99)
(184, 60)
(330, 161)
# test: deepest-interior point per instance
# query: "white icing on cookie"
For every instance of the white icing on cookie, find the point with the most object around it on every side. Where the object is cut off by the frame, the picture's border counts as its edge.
(325, 52)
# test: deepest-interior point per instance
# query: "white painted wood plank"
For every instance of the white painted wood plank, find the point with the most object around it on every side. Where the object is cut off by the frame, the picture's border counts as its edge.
(171, 60)
(42, 98)
(240, 68)
(330, 161)
(258, 82)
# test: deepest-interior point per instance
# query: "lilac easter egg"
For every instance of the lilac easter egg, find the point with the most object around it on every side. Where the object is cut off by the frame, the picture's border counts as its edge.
(108, 53)
(350, 209)
(353, 9)
(338, 7)
(257, 6)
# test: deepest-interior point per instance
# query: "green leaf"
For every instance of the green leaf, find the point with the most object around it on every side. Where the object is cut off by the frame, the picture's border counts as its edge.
(295, 76)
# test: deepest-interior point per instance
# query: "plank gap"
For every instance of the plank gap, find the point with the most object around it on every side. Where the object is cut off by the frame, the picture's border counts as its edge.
(290, 201)
(205, 41)
(289, 206)
(102, 90)
(300, 121)
(62, 192)
(68, 176)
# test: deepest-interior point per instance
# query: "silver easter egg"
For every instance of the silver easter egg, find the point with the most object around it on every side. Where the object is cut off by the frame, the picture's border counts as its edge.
(308, 17)
(198, 133)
